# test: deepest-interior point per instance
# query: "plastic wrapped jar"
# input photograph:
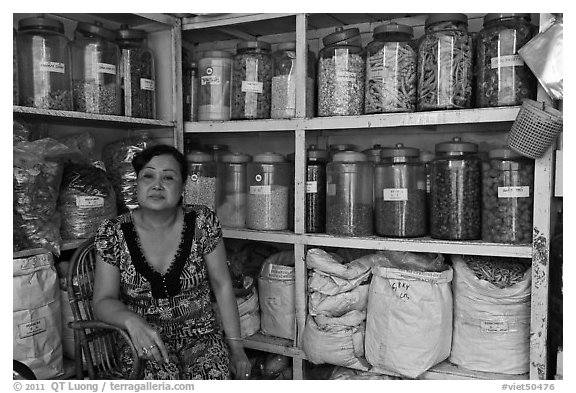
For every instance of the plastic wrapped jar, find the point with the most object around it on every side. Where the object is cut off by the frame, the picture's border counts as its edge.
(391, 70)
(445, 63)
(201, 184)
(44, 72)
(315, 201)
(252, 81)
(400, 193)
(190, 91)
(95, 70)
(218, 151)
(341, 70)
(137, 73)
(349, 178)
(284, 82)
(503, 78)
(507, 197)
(215, 81)
(231, 190)
(455, 194)
(268, 190)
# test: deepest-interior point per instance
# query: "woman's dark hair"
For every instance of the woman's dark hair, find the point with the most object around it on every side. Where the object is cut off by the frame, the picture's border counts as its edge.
(142, 158)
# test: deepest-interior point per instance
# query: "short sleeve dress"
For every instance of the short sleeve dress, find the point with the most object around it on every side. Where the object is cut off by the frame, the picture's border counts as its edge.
(177, 303)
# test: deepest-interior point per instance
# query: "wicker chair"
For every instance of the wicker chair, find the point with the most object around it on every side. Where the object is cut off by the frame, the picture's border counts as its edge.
(94, 341)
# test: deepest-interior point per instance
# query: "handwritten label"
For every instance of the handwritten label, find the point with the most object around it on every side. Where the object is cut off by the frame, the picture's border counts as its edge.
(104, 68)
(29, 329)
(331, 189)
(311, 187)
(88, 202)
(260, 190)
(395, 194)
(252, 87)
(147, 84)
(210, 80)
(401, 288)
(494, 326)
(506, 61)
(53, 66)
(514, 192)
(345, 76)
(280, 272)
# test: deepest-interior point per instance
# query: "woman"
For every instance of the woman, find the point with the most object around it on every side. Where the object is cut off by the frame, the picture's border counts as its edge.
(156, 268)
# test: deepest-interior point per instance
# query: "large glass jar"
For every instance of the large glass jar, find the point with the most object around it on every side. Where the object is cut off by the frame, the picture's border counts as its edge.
(44, 72)
(341, 70)
(268, 190)
(503, 78)
(252, 81)
(190, 91)
(391, 70)
(349, 178)
(445, 63)
(95, 70)
(231, 189)
(284, 82)
(137, 73)
(455, 194)
(507, 197)
(315, 201)
(215, 81)
(201, 184)
(400, 193)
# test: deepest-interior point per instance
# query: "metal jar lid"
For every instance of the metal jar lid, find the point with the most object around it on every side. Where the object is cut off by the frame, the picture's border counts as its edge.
(349, 156)
(199, 156)
(456, 145)
(491, 17)
(342, 147)
(126, 33)
(253, 45)
(269, 157)
(341, 35)
(40, 22)
(236, 158)
(435, 18)
(95, 28)
(287, 46)
(390, 28)
(220, 54)
(400, 151)
(504, 153)
(315, 154)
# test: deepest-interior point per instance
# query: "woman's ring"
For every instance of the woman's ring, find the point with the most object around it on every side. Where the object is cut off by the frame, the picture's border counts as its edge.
(152, 346)
(145, 351)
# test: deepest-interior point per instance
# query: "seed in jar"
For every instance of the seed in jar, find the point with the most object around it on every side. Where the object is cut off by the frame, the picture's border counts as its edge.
(255, 68)
(345, 220)
(268, 211)
(57, 100)
(402, 218)
(341, 86)
(201, 191)
(92, 97)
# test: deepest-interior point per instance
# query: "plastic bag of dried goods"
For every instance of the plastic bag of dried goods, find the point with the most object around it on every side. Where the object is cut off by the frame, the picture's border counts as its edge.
(333, 285)
(491, 315)
(417, 261)
(340, 304)
(409, 320)
(325, 262)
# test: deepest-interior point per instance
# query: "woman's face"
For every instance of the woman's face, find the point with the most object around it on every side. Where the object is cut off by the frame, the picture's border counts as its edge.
(160, 183)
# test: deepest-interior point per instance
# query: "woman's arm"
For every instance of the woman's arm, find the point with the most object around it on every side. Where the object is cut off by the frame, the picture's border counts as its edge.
(222, 286)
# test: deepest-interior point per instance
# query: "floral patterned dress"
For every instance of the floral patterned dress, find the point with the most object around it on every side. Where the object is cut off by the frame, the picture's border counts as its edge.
(177, 303)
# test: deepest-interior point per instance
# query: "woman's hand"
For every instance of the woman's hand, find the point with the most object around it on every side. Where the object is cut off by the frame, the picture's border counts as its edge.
(240, 364)
(146, 340)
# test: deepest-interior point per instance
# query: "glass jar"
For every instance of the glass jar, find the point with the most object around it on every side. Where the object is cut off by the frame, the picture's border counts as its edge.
(284, 82)
(190, 91)
(201, 184)
(373, 154)
(503, 78)
(215, 78)
(231, 190)
(268, 190)
(455, 194)
(217, 151)
(341, 70)
(252, 81)
(315, 201)
(137, 73)
(400, 193)
(95, 70)
(44, 72)
(349, 191)
(391, 70)
(507, 197)
(445, 63)
(338, 147)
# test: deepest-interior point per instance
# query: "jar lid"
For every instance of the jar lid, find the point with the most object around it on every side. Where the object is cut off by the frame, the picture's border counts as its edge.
(456, 145)
(199, 156)
(342, 147)
(316, 154)
(400, 151)
(426, 156)
(349, 156)
(491, 17)
(215, 146)
(126, 33)
(287, 46)
(42, 23)
(435, 18)
(340, 35)
(374, 151)
(222, 54)
(95, 28)
(236, 158)
(504, 152)
(269, 157)
(253, 44)
(390, 28)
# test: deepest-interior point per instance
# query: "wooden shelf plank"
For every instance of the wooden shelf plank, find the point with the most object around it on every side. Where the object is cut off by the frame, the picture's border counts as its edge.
(264, 236)
(267, 125)
(218, 20)
(281, 346)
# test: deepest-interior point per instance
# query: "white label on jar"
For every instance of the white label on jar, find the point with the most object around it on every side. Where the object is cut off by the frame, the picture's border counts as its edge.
(147, 84)
(345, 76)
(88, 202)
(210, 80)
(331, 189)
(395, 194)
(507, 61)
(103, 68)
(29, 329)
(494, 326)
(514, 192)
(52, 66)
(252, 87)
(311, 187)
(260, 190)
